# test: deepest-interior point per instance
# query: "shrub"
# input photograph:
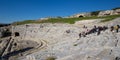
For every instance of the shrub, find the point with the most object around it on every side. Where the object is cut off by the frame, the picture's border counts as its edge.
(95, 13)
(51, 58)
(75, 44)
(116, 8)
(109, 18)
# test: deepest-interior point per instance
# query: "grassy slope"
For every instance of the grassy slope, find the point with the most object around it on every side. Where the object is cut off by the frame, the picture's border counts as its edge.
(109, 18)
(66, 20)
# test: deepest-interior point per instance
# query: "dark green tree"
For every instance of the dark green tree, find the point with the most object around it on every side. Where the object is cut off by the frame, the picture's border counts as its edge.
(116, 8)
(95, 13)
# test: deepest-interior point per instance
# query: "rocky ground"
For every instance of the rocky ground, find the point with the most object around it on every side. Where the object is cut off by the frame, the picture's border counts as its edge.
(61, 42)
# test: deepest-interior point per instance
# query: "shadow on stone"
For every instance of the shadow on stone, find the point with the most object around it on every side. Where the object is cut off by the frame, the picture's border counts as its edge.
(117, 58)
(6, 57)
(6, 34)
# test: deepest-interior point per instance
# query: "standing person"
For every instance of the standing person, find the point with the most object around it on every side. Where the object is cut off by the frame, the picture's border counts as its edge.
(84, 26)
(83, 34)
(116, 28)
(79, 35)
(111, 28)
(98, 30)
(87, 30)
(94, 29)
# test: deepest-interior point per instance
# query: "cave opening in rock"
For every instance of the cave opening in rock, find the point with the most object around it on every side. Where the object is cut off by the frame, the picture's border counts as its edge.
(6, 33)
(107, 14)
(81, 16)
(17, 34)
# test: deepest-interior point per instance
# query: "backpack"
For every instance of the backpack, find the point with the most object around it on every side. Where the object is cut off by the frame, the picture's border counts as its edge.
(116, 27)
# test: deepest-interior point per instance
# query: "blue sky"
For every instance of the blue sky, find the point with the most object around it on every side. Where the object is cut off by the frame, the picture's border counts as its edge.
(18, 10)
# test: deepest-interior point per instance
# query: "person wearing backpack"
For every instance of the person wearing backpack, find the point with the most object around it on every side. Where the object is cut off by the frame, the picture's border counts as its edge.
(116, 28)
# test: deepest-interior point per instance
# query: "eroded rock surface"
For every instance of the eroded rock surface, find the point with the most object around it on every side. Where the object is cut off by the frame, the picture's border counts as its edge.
(62, 42)
(11, 48)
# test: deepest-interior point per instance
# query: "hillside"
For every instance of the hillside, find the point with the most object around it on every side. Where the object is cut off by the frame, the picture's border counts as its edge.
(61, 41)
(107, 15)
(71, 38)
(65, 20)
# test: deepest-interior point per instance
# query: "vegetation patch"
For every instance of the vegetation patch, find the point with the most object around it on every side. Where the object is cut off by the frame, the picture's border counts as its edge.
(116, 8)
(50, 58)
(95, 13)
(24, 22)
(67, 20)
(109, 18)
(75, 44)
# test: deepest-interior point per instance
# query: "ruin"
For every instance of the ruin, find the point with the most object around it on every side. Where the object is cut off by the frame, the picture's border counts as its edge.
(61, 41)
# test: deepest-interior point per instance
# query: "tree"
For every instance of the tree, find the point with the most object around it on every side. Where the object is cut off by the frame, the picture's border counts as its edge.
(59, 17)
(95, 13)
(116, 8)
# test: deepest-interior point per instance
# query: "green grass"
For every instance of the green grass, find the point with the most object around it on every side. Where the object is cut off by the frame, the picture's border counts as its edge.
(109, 18)
(51, 58)
(75, 44)
(24, 22)
(67, 20)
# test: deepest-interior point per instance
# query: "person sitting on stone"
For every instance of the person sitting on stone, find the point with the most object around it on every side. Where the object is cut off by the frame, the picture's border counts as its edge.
(104, 28)
(99, 30)
(83, 34)
(111, 28)
(94, 29)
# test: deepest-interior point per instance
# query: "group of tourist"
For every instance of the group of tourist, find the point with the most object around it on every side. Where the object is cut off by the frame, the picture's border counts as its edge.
(98, 30)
